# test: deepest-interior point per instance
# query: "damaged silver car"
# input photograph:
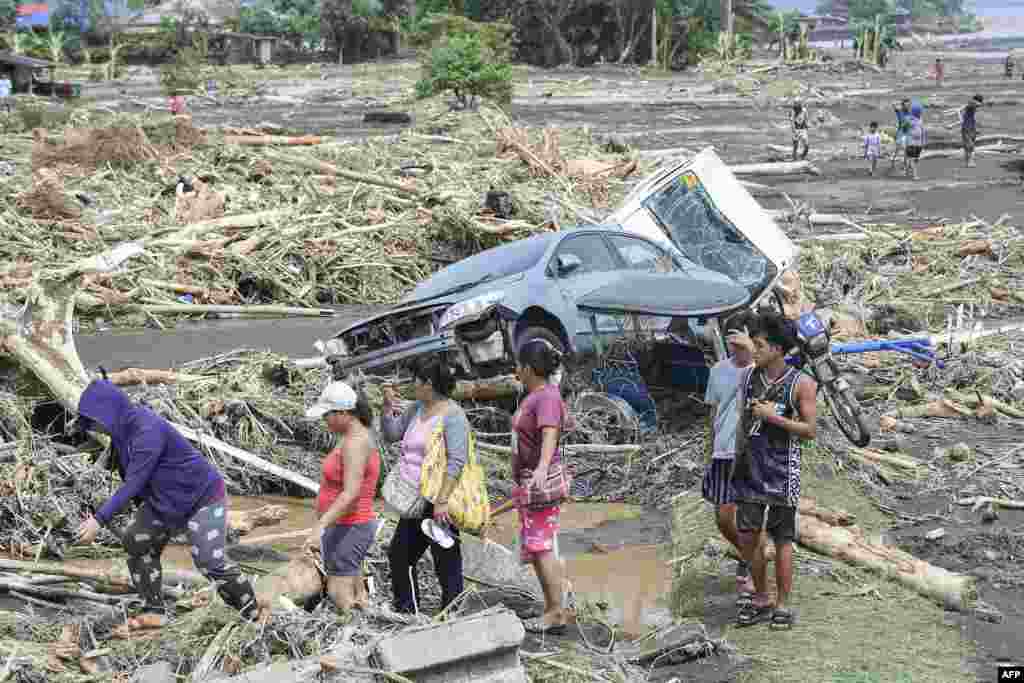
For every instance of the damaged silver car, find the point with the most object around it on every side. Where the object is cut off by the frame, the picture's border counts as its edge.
(691, 231)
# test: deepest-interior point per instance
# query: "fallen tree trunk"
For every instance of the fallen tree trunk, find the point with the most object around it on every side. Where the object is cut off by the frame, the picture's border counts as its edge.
(876, 457)
(193, 231)
(110, 577)
(324, 167)
(133, 376)
(272, 140)
(247, 457)
(810, 507)
(953, 591)
(978, 502)
(774, 169)
(691, 515)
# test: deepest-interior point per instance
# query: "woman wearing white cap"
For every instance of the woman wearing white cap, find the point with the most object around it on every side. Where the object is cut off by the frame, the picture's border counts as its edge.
(347, 522)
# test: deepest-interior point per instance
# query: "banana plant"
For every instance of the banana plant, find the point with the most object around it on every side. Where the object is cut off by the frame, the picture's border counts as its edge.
(56, 41)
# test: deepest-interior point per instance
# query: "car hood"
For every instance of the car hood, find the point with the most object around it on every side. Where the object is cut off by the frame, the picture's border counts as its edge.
(701, 210)
(408, 304)
(663, 294)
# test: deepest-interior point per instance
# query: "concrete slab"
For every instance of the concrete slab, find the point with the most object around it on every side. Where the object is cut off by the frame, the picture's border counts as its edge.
(161, 672)
(481, 641)
(496, 565)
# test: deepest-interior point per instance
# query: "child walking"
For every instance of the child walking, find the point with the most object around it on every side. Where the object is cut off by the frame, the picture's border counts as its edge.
(873, 146)
(902, 133)
(969, 128)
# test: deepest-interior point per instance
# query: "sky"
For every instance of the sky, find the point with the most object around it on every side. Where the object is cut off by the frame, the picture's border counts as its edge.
(983, 8)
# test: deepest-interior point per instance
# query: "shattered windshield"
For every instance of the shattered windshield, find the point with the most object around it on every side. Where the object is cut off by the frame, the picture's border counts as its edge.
(705, 235)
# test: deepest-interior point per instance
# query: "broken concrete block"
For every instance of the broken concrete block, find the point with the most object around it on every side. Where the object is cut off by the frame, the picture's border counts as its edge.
(472, 647)
(161, 672)
(496, 565)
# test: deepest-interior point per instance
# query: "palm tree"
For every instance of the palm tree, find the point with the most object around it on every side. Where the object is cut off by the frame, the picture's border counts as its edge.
(55, 44)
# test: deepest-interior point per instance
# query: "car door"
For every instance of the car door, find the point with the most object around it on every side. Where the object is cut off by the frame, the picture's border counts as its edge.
(639, 254)
(581, 264)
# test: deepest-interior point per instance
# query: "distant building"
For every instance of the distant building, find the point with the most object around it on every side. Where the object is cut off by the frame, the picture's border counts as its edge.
(23, 70)
(827, 28)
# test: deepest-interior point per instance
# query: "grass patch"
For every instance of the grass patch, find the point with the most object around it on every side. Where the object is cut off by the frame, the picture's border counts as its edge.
(861, 627)
(896, 637)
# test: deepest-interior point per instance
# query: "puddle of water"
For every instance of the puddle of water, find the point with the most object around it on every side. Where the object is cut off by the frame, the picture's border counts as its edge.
(633, 580)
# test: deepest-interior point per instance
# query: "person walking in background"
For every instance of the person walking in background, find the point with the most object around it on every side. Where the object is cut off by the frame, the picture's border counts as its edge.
(1008, 65)
(902, 133)
(717, 488)
(916, 139)
(969, 128)
(177, 488)
(798, 122)
(940, 72)
(5, 93)
(347, 524)
(434, 382)
(537, 429)
(779, 412)
(873, 146)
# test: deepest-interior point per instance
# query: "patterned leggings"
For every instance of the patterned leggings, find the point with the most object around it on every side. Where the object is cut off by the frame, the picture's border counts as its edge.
(145, 538)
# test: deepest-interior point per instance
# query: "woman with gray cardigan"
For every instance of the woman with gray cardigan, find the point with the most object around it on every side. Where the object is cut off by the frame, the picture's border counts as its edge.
(434, 383)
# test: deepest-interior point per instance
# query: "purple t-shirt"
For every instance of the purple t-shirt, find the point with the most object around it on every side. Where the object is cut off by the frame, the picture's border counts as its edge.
(541, 408)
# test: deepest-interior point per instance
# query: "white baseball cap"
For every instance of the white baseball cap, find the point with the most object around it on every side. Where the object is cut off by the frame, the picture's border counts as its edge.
(335, 396)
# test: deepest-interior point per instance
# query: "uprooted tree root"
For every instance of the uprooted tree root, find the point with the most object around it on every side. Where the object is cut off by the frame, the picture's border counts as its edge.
(46, 199)
(92, 147)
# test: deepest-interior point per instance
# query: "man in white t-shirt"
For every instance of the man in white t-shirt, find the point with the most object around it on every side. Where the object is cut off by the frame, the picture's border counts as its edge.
(723, 387)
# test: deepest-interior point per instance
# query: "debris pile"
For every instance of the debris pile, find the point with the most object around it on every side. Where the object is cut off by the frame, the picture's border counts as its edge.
(260, 226)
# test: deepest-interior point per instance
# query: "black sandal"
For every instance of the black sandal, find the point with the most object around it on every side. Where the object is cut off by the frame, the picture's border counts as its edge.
(744, 599)
(782, 619)
(754, 614)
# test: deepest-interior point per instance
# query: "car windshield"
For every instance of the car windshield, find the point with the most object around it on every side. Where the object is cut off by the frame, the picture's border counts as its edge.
(492, 264)
(705, 235)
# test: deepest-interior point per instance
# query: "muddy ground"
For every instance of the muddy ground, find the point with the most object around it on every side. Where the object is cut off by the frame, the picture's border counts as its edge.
(654, 112)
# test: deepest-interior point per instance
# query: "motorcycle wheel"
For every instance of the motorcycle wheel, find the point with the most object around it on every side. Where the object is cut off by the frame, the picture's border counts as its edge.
(847, 414)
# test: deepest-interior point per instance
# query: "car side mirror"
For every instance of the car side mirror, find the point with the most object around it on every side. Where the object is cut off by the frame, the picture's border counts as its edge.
(567, 263)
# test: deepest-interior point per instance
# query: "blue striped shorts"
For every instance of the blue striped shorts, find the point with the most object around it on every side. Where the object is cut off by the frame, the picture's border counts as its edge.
(717, 487)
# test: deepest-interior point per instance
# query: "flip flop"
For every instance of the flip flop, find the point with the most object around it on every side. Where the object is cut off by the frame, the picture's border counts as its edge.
(538, 627)
(753, 614)
(782, 620)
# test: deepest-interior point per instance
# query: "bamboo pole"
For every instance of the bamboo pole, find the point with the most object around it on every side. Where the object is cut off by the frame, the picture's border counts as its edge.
(324, 167)
(110, 577)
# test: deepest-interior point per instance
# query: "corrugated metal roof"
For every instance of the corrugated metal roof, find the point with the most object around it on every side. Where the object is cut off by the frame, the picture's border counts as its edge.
(22, 60)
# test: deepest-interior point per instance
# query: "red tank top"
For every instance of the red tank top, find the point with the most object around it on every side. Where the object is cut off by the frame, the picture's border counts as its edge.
(332, 483)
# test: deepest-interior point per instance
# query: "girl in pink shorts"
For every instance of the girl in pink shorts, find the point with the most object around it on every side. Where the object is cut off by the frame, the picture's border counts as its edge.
(536, 428)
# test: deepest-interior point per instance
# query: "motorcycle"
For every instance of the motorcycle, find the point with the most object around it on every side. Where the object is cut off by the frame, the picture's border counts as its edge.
(814, 355)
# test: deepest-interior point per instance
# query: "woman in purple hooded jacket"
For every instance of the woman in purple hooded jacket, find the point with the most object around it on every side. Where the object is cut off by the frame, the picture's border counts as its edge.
(176, 488)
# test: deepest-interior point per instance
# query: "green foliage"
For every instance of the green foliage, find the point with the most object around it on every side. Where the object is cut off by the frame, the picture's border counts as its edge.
(495, 38)
(367, 8)
(461, 64)
(8, 13)
(296, 19)
(790, 21)
(865, 10)
(184, 74)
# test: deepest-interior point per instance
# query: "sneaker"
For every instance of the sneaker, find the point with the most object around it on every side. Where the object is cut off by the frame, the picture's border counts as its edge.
(437, 533)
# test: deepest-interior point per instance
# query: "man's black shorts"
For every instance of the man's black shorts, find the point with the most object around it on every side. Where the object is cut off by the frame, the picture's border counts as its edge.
(913, 152)
(778, 520)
